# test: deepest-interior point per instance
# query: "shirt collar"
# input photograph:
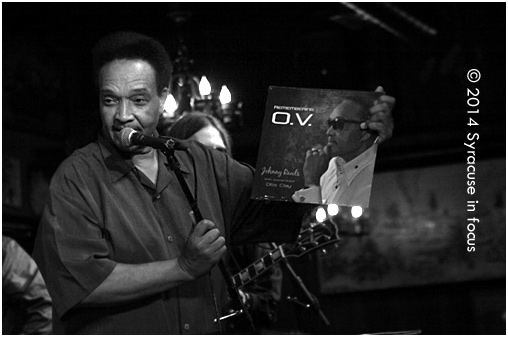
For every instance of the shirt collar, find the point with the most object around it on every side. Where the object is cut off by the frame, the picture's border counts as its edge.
(356, 165)
(119, 166)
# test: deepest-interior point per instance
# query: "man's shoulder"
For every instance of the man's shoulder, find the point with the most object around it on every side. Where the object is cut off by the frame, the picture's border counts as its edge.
(83, 160)
(216, 163)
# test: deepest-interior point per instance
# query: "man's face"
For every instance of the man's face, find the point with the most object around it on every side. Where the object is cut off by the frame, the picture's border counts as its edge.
(128, 98)
(346, 143)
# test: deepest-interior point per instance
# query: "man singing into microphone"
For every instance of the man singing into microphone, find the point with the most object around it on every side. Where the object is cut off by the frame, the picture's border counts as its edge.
(116, 245)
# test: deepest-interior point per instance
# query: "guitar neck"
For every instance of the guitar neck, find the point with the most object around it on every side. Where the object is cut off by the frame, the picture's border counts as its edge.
(258, 267)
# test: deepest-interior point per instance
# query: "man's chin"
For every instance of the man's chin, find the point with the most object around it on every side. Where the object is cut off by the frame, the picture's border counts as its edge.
(331, 149)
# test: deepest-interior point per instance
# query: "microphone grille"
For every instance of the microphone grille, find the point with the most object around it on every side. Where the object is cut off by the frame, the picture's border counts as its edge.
(125, 135)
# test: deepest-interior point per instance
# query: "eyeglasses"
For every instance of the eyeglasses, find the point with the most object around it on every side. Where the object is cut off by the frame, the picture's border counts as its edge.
(338, 122)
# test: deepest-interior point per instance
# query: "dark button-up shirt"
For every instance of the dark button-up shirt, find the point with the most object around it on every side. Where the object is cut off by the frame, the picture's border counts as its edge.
(103, 211)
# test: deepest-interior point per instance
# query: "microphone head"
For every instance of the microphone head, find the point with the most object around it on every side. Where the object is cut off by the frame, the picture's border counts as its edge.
(125, 137)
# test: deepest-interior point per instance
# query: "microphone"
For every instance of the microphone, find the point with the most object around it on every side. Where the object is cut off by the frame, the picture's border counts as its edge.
(129, 137)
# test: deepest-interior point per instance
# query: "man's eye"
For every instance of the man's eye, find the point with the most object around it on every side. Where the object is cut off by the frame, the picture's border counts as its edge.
(140, 100)
(108, 101)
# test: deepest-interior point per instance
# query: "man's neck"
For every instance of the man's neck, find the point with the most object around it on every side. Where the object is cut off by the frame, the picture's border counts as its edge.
(350, 156)
(148, 164)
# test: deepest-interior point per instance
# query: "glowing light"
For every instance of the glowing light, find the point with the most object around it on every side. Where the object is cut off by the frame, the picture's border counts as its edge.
(170, 106)
(225, 95)
(321, 214)
(356, 211)
(204, 86)
(333, 209)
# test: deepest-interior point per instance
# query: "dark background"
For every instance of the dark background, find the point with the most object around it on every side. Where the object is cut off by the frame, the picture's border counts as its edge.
(49, 107)
(252, 46)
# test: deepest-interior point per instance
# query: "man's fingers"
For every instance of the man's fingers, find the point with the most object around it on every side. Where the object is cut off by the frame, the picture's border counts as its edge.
(314, 151)
(202, 227)
(382, 107)
(219, 244)
(212, 235)
(383, 132)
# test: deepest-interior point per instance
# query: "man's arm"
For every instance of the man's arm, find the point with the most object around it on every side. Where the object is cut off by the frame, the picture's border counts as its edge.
(203, 250)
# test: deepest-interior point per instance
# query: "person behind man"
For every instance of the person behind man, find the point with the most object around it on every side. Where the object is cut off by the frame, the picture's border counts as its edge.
(26, 304)
(263, 293)
(341, 172)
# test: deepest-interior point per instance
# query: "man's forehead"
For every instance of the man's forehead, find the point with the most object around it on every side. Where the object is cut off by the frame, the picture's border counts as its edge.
(347, 109)
(127, 68)
(135, 72)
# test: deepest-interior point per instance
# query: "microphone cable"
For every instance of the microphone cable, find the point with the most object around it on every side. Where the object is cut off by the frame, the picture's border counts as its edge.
(210, 281)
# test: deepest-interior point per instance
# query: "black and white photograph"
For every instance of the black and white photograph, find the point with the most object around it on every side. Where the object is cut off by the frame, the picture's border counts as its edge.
(313, 148)
(203, 168)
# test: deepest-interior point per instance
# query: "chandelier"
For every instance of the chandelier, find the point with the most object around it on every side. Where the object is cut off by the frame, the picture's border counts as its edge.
(190, 93)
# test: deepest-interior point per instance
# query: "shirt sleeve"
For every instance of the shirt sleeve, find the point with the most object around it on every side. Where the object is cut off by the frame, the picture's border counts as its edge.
(22, 283)
(70, 248)
(310, 195)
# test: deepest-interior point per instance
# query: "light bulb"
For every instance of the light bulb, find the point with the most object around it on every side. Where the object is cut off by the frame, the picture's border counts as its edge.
(204, 86)
(170, 106)
(320, 214)
(356, 211)
(225, 95)
(333, 209)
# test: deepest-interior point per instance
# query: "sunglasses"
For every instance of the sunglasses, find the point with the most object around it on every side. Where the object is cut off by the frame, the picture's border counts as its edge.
(338, 123)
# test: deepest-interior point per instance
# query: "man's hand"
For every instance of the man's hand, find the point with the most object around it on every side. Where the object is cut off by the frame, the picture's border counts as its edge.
(381, 119)
(203, 250)
(316, 163)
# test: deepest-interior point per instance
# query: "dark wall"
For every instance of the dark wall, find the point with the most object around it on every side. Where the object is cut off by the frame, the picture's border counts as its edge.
(252, 46)
(445, 309)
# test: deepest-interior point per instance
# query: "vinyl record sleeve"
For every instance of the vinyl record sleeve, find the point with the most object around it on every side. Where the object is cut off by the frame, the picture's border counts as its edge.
(295, 121)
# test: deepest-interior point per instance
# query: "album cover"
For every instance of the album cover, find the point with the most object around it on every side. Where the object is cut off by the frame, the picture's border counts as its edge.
(312, 148)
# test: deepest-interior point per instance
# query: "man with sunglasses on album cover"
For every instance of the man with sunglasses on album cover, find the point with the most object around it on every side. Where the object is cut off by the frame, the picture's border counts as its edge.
(341, 172)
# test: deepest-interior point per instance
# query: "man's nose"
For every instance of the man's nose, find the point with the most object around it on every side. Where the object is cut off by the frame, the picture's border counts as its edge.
(123, 113)
(330, 131)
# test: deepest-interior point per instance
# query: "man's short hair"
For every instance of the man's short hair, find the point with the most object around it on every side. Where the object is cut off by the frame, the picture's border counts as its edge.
(133, 46)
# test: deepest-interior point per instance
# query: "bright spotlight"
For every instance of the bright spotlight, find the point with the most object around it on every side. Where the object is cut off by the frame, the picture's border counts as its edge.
(356, 211)
(333, 209)
(320, 214)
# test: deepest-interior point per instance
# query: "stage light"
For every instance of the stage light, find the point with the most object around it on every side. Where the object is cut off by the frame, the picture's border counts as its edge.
(170, 107)
(333, 209)
(320, 214)
(356, 211)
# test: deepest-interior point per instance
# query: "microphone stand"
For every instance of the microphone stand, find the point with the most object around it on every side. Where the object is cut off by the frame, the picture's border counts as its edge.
(169, 151)
(312, 299)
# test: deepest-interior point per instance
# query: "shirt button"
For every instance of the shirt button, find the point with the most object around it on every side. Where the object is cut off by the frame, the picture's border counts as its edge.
(157, 197)
(186, 326)
(170, 238)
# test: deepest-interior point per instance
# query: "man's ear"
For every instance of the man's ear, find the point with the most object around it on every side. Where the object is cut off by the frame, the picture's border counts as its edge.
(162, 99)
